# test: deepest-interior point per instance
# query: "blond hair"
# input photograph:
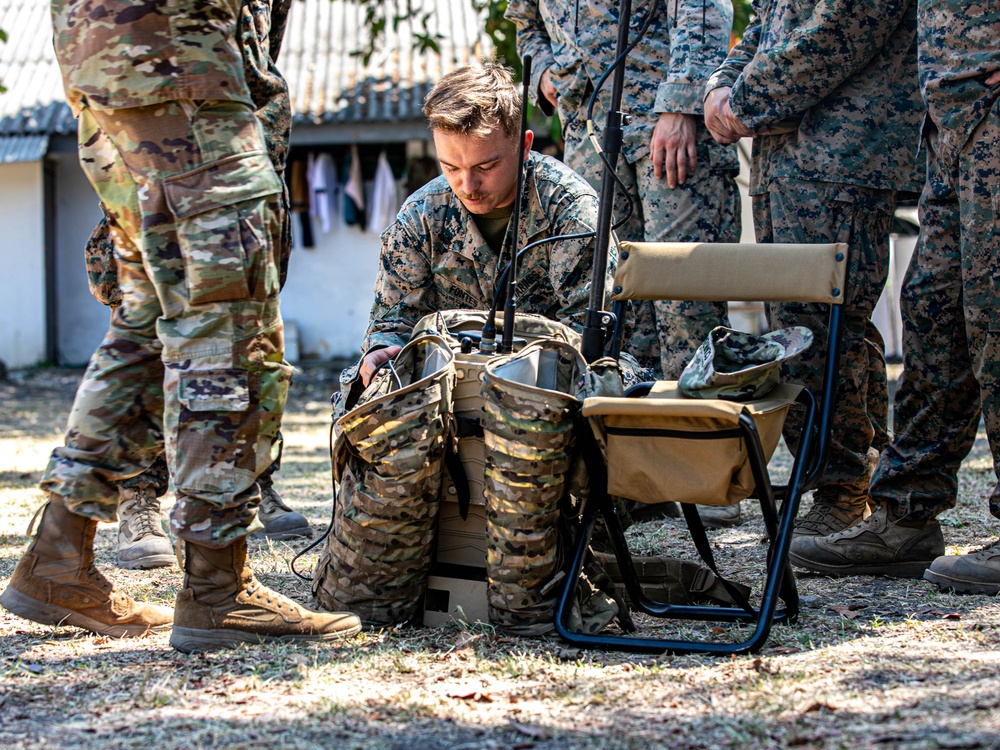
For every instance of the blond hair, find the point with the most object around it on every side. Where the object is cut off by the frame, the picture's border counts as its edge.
(475, 100)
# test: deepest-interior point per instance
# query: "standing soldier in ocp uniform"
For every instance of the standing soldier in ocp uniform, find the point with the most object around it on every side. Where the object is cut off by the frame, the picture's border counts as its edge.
(828, 92)
(142, 543)
(170, 140)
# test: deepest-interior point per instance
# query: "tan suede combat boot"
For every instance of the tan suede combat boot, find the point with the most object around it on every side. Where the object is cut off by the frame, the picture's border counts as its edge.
(142, 542)
(222, 605)
(280, 521)
(834, 509)
(56, 582)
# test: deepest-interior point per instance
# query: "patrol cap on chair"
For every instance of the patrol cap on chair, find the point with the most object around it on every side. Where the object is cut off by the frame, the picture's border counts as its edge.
(740, 366)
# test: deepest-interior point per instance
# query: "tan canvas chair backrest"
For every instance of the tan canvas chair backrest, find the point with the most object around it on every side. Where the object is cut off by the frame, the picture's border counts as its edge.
(731, 272)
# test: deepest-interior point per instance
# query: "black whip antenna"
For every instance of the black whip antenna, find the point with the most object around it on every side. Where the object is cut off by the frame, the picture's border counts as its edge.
(510, 305)
(596, 318)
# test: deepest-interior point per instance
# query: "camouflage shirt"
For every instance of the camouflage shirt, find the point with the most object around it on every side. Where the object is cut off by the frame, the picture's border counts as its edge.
(260, 21)
(837, 80)
(435, 258)
(132, 53)
(665, 72)
(959, 49)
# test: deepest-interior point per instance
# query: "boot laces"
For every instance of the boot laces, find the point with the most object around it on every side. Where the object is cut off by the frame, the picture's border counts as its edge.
(142, 509)
(256, 590)
(828, 504)
(271, 502)
(990, 550)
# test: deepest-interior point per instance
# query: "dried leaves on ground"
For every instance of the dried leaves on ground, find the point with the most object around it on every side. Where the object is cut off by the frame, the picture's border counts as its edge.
(872, 662)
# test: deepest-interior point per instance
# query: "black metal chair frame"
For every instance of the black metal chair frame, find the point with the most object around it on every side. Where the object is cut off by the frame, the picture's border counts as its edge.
(809, 463)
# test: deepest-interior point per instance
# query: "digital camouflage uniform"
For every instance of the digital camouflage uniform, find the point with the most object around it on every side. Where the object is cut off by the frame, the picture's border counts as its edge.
(435, 258)
(937, 406)
(950, 300)
(665, 72)
(175, 150)
(835, 83)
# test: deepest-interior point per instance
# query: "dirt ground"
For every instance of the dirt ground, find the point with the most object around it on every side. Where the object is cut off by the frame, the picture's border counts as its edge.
(871, 663)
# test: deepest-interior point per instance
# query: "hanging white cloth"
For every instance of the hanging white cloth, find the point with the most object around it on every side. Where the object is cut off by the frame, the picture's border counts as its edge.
(385, 197)
(324, 188)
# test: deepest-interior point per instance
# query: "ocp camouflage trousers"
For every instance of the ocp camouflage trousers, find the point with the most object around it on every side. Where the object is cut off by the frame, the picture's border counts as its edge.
(805, 212)
(193, 359)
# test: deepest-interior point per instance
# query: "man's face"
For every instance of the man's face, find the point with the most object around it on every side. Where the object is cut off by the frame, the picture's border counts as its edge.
(481, 171)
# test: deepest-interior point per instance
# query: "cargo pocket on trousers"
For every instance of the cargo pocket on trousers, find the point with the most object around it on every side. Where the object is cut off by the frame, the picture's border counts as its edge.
(215, 390)
(224, 226)
(215, 449)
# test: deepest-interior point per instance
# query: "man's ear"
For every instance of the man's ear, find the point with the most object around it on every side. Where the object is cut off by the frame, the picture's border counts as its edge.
(529, 138)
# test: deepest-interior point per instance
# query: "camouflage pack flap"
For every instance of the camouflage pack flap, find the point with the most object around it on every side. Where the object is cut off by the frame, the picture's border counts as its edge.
(531, 400)
(415, 386)
(389, 460)
(529, 327)
(102, 268)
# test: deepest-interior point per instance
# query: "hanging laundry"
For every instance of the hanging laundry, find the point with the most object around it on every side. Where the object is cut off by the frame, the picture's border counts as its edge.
(385, 198)
(324, 190)
(354, 190)
(298, 192)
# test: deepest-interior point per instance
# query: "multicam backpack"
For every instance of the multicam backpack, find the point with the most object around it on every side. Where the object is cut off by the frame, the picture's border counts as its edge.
(389, 458)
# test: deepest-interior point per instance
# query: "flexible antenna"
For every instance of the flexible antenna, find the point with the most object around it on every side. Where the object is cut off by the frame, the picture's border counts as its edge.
(510, 303)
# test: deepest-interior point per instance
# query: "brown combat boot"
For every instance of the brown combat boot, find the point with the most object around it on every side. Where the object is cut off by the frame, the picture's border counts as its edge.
(974, 573)
(222, 605)
(887, 543)
(280, 521)
(834, 509)
(142, 543)
(56, 582)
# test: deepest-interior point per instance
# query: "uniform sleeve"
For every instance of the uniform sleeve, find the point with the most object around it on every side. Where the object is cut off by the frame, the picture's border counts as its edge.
(404, 287)
(739, 56)
(532, 39)
(699, 38)
(279, 20)
(833, 43)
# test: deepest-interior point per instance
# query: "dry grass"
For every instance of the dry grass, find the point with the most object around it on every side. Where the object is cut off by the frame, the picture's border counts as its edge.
(872, 663)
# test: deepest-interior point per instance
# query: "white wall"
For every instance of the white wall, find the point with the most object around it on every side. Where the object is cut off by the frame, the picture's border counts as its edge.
(329, 291)
(82, 320)
(22, 255)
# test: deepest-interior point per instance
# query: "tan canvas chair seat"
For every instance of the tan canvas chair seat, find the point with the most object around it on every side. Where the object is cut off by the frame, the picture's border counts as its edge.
(680, 466)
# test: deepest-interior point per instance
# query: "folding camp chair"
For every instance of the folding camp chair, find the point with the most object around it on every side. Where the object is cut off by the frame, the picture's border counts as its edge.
(656, 445)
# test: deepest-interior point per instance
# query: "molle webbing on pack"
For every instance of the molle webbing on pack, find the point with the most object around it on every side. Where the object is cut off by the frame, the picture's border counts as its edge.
(531, 401)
